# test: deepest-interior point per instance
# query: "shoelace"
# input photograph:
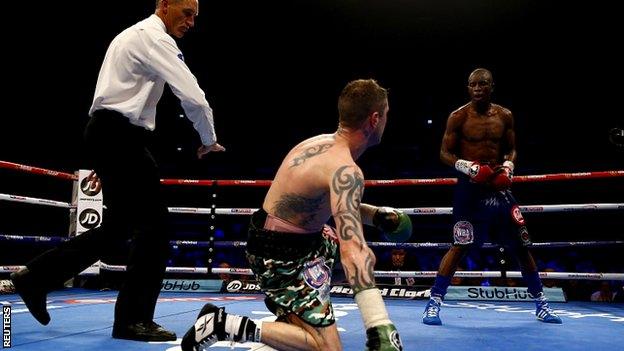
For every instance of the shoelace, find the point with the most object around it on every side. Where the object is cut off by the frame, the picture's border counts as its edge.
(543, 305)
(205, 344)
(233, 323)
(432, 310)
(232, 342)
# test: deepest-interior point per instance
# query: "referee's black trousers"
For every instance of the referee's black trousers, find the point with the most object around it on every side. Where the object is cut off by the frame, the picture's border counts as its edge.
(135, 212)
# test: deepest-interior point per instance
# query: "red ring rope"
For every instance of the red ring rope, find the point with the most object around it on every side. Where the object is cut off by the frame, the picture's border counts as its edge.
(381, 182)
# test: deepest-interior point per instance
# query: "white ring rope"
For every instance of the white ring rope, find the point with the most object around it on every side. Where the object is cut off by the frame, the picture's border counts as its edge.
(35, 201)
(449, 210)
(464, 274)
(96, 267)
(409, 211)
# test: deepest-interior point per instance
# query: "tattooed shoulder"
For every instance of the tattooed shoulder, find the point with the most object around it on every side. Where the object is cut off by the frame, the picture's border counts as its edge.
(310, 152)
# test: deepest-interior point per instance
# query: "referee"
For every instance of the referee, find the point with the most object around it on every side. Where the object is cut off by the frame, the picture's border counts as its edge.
(138, 63)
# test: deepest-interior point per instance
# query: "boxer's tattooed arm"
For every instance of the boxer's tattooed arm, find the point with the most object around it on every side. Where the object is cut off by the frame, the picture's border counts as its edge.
(349, 227)
(347, 190)
(298, 209)
(310, 152)
(348, 186)
(361, 278)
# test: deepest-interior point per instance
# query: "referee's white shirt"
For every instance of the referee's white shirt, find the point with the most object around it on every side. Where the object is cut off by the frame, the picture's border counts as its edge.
(138, 63)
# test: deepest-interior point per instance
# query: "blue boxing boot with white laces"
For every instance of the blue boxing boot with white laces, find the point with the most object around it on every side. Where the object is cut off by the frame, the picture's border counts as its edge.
(431, 316)
(543, 312)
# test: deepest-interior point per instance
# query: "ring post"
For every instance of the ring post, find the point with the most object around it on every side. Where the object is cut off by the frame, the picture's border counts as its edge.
(87, 197)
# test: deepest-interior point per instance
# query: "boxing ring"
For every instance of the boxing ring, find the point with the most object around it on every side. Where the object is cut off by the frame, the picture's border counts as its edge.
(82, 318)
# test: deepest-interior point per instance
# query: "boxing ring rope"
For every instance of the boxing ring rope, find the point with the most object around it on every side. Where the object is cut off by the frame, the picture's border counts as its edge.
(37, 170)
(444, 210)
(410, 211)
(94, 269)
(35, 201)
(387, 182)
(462, 274)
(227, 244)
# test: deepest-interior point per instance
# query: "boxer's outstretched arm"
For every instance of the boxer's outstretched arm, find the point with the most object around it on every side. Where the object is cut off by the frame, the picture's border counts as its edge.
(358, 260)
(347, 187)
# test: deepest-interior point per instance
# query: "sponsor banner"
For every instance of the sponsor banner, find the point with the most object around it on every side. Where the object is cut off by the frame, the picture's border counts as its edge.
(387, 291)
(191, 285)
(409, 292)
(241, 286)
(499, 293)
(413, 292)
(87, 197)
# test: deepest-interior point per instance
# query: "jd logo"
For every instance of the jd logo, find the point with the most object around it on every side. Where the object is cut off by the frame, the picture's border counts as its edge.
(90, 188)
(234, 285)
(89, 218)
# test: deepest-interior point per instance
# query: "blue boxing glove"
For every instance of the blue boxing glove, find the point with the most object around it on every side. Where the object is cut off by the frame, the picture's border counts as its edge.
(395, 225)
(383, 338)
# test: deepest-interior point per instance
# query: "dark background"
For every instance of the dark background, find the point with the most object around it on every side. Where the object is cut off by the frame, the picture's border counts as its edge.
(272, 72)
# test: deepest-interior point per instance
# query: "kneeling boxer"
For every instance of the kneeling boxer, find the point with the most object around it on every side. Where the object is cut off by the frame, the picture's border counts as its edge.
(291, 250)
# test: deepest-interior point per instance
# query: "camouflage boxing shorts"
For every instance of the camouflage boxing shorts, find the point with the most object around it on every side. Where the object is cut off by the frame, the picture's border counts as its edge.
(294, 271)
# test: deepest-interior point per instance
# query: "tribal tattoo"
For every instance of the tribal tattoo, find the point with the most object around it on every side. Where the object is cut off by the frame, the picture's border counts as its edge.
(349, 187)
(361, 279)
(348, 222)
(298, 209)
(310, 152)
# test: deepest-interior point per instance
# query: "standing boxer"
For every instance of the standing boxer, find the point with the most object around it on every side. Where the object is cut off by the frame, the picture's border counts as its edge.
(479, 142)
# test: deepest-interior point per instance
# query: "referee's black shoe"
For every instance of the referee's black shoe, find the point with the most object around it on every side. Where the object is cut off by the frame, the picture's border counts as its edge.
(143, 331)
(33, 294)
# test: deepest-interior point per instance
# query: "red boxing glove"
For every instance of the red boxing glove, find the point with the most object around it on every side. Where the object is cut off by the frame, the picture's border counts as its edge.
(502, 178)
(477, 172)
